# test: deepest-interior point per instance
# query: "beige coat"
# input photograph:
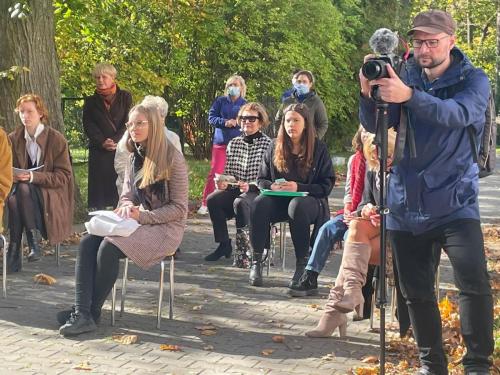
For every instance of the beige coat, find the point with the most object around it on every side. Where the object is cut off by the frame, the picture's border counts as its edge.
(55, 179)
(162, 228)
(5, 171)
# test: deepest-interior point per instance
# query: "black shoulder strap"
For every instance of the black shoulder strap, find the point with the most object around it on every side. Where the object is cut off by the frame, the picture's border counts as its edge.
(473, 144)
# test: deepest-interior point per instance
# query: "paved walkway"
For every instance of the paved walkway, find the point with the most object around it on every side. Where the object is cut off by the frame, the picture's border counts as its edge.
(246, 319)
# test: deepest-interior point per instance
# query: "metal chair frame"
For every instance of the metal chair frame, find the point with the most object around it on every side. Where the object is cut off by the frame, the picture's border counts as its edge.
(160, 291)
(282, 246)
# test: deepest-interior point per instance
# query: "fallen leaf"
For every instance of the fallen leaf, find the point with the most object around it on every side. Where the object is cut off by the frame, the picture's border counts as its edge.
(42, 278)
(208, 347)
(278, 339)
(205, 327)
(208, 332)
(197, 308)
(371, 359)
(170, 348)
(328, 357)
(125, 339)
(267, 352)
(83, 366)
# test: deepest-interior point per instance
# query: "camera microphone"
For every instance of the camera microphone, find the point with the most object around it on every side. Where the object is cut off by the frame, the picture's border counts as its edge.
(384, 41)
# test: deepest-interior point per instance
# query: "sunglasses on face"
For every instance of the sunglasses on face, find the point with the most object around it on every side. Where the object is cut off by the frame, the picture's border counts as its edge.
(249, 118)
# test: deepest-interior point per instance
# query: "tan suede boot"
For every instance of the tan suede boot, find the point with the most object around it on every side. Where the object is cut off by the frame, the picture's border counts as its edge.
(355, 266)
(328, 323)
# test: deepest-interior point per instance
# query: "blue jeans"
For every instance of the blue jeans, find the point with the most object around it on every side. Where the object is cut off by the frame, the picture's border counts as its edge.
(329, 233)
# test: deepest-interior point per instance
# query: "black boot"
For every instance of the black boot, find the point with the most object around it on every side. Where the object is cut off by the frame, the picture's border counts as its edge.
(223, 250)
(300, 266)
(256, 270)
(63, 316)
(14, 261)
(307, 285)
(77, 324)
(32, 236)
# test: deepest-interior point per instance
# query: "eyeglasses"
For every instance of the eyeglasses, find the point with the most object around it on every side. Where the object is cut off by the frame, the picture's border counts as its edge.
(249, 118)
(137, 124)
(430, 43)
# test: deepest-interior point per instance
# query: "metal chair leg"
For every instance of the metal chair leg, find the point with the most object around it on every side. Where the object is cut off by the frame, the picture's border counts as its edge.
(58, 249)
(172, 287)
(393, 303)
(282, 242)
(113, 304)
(374, 301)
(4, 267)
(160, 294)
(124, 287)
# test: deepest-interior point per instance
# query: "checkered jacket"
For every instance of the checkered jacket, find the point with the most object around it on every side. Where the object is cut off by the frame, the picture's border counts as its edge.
(243, 159)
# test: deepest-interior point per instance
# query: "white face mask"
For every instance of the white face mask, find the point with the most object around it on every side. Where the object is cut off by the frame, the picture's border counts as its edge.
(233, 91)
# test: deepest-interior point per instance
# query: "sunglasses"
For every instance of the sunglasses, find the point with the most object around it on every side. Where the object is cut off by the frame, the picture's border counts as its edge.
(137, 124)
(249, 118)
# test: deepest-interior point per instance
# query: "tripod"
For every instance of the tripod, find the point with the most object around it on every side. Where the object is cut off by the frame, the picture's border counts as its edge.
(381, 143)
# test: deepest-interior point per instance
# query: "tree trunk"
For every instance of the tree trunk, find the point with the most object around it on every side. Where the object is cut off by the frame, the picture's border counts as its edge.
(497, 85)
(29, 42)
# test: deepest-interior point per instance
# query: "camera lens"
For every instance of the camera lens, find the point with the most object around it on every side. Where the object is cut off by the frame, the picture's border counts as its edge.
(374, 69)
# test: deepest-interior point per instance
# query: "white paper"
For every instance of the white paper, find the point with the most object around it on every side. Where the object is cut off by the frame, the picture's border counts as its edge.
(18, 171)
(106, 213)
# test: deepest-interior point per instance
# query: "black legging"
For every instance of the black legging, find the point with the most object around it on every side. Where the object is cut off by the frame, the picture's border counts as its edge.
(226, 204)
(96, 270)
(300, 212)
(25, 210)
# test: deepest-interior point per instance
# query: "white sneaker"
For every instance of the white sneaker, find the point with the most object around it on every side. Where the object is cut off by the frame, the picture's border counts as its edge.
(203, 210)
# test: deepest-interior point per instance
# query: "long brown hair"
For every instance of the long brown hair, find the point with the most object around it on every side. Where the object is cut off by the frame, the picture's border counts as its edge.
(159, 152)
(283, 147)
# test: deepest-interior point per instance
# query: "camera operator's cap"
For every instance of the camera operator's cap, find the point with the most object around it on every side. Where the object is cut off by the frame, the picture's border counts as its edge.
(434, 22)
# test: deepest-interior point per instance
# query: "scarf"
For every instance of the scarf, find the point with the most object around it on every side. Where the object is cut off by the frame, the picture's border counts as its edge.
(107, 95)
(144, 195)
(252, 137)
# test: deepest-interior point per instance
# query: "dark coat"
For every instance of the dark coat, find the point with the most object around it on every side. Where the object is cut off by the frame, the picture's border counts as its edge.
(55, 179)
(99, 124)
(319, 182)
(441, 184)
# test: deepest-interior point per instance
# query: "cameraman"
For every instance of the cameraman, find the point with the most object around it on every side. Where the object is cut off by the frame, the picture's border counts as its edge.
(433, 198)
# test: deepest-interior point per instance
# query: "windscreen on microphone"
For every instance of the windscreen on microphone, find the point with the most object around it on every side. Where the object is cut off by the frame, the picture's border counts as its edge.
(384, 41)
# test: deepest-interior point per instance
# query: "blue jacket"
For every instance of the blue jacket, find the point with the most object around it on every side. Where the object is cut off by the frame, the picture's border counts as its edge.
(441, 184)
(221, 110)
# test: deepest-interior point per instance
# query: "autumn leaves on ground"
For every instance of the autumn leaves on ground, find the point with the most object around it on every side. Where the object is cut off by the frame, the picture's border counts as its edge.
(402, 355)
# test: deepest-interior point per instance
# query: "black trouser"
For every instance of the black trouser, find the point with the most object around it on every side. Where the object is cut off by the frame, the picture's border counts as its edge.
(25, 210)
(415, 257)
(226, 204)
(96, 270)
(300, 212)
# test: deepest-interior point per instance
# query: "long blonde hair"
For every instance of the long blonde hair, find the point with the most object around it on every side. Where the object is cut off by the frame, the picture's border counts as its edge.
(159, 152)
(370, 150)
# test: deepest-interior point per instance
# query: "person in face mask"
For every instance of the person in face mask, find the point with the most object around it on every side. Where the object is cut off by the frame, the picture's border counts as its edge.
(222, 116)
(303, 92)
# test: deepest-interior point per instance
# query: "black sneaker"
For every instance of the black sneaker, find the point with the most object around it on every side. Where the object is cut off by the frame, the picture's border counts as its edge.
(63, 316)
(307, 285)
(223, 250)
(77, 324)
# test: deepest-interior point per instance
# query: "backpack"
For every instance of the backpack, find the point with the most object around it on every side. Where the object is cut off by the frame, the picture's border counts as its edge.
(486, 157)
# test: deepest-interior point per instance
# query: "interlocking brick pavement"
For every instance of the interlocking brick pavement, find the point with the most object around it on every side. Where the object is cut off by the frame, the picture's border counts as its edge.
(246, 318)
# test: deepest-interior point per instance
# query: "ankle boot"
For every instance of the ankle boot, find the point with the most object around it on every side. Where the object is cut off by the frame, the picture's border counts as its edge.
(223, 250)
(242, 248)
(256, 270)
(328, 323)
(300, 266)
(32, 236)
(14, 261)
(307, 285)
(355, 266)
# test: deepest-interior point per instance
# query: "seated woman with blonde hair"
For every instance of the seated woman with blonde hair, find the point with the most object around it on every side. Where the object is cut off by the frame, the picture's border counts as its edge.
(361, 248)
(155, 194)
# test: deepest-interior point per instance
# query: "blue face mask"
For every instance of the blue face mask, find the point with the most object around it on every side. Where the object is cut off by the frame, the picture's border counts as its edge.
(233, 91)
(301, 88)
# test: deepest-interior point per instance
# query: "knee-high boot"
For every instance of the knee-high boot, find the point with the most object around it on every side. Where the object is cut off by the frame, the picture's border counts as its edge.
(355, 266)
(33, 238)
(14, 252)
